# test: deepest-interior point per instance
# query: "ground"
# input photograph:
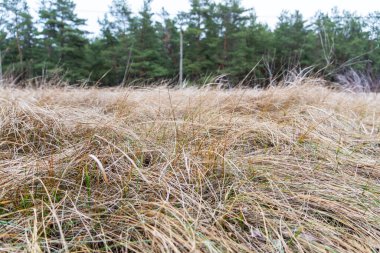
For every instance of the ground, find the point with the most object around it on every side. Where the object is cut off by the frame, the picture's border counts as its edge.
(287, 169)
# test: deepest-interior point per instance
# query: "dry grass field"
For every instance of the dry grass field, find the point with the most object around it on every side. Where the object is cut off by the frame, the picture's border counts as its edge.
(287, 169)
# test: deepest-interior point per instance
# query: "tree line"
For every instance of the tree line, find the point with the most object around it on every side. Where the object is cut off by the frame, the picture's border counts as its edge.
(218, 39)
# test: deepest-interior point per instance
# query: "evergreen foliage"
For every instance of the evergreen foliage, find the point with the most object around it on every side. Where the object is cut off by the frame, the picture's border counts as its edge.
(219, 39)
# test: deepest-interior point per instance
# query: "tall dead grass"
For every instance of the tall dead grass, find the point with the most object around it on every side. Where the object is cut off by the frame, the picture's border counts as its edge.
(288, 169)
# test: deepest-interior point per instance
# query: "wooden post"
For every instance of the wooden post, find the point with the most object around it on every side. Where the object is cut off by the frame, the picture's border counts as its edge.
(181, 58)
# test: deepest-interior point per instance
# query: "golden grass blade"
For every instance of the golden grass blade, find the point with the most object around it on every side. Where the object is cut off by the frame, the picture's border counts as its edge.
(101, 168)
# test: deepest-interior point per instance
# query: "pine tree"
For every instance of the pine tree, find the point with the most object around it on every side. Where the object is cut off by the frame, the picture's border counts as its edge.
(148, 51)
(170, 39)
(210, 41)
(290, 41)
(234, 33)
(18, 34)
(193, 34)
(116, 46)
(63, 38)
(259, 52)
(373, 21)
(352, 41)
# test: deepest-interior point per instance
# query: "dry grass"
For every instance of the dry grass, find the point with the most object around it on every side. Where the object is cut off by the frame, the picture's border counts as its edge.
(291, 169)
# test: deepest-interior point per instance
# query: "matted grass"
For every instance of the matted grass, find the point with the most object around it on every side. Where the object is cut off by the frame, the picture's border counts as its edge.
(288, 169)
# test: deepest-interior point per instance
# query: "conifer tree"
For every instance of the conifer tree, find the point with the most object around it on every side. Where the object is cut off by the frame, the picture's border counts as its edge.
(63, 38)
(112, 52)
(148, 51)
(234, 20)
(18, 38)
(290, 37)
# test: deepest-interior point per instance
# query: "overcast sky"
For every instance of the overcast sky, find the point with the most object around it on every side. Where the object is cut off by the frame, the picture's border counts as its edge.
(266, 10)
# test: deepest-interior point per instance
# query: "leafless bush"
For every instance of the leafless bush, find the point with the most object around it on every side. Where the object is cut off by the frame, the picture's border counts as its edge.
(358, 81)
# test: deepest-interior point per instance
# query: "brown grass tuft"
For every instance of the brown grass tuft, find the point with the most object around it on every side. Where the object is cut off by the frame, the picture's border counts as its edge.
(288, 169)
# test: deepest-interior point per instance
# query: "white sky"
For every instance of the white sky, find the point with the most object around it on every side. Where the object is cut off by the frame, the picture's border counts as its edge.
(266, 10)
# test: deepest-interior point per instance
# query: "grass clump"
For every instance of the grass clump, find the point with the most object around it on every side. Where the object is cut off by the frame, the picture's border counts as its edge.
(287, 169)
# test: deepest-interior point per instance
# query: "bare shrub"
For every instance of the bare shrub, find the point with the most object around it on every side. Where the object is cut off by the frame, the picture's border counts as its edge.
(358, 81)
